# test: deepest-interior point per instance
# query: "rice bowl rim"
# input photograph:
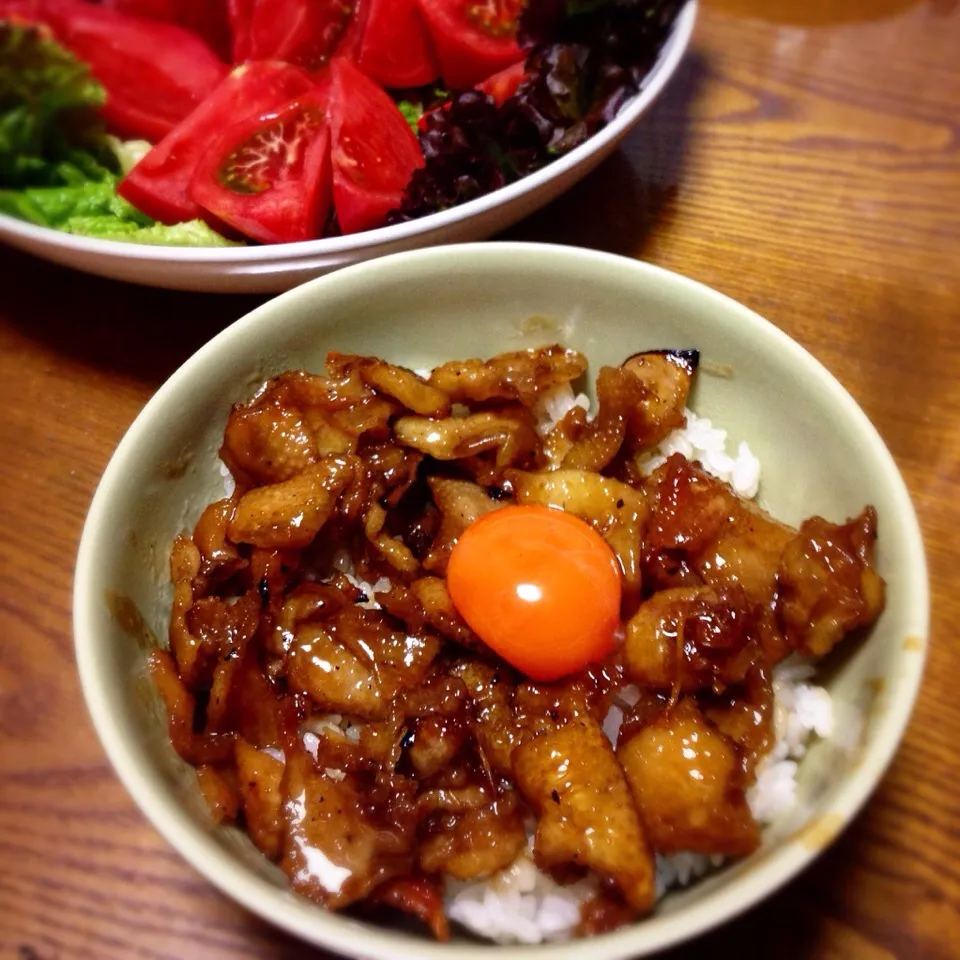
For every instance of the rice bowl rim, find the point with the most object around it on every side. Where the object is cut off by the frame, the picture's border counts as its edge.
(350, 937)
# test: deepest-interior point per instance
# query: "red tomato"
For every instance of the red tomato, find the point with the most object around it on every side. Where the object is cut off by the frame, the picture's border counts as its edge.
(374, 151)
(305, 32)
(269, 175)
(472, 38)
(240, 13)
(538, 586)
(159, 184)
(154, 73)
(395, 49)
(503, 85)
(208, 18)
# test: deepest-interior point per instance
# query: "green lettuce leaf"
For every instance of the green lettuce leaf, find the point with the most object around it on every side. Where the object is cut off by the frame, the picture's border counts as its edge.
(412, 112)
(93, 208)
(50, 129)
(193, 233)
(54, 206)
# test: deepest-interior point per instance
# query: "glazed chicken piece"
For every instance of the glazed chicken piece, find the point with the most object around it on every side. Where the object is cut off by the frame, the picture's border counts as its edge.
(521, 376)
(355, 664)
(475, 842)
(418, 896)
(409, 390)
(689, 785)
(745, 716)
(296, 419)
(260, 779)
(219, 788)
(269, 442)
(722, 538)
(203, 629)
(291, 513)
(460, 503)
(619, 394)
(692, 638)
(432, 743)
(219, 558)
(666, 376)
(442, 615)
(336, 848)
(509, 433)
(181, 708)
(559, 440)
(587, 816)
(827, 582)
(490, 689)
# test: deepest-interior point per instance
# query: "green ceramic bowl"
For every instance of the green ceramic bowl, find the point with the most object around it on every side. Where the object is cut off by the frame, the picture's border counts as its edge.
(819, 452)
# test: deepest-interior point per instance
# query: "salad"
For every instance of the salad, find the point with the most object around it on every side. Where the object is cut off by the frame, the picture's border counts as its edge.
(211, 122)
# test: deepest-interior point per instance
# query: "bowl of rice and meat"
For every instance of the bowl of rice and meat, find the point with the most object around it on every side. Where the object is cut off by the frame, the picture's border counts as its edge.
(507, 594)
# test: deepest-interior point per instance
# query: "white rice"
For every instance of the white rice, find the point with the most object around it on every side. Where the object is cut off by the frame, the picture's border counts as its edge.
(524, 905)
(701, 440)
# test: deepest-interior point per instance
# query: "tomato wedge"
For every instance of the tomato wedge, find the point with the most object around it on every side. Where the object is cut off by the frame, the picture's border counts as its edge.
(159, 184)
(154, 73)
(269, 175)
(208, 18)
(307, 33)
(373, 153)
(395, 49)
(240, 14)
(503, 85)
(472, 38)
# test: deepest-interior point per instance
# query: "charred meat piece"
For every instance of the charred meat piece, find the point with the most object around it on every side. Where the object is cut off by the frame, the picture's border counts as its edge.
(689, 785)
(828, 585)
(587, 815)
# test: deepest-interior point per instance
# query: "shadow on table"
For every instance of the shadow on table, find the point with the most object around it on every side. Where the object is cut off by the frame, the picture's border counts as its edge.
(117, 327)
(621, 205)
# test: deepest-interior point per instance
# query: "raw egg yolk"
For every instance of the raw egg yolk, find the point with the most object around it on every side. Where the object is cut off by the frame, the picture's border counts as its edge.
(540, 587)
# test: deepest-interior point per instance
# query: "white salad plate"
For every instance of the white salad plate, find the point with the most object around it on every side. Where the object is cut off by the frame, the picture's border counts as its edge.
(272, 268)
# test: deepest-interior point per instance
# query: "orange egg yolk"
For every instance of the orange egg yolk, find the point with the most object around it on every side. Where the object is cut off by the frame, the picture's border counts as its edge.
(540, 587)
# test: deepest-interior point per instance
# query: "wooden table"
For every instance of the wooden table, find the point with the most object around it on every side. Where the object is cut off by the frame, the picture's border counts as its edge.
(805, 161)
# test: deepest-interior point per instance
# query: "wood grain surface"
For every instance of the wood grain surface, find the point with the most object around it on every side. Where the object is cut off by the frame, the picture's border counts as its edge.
(806, 161)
